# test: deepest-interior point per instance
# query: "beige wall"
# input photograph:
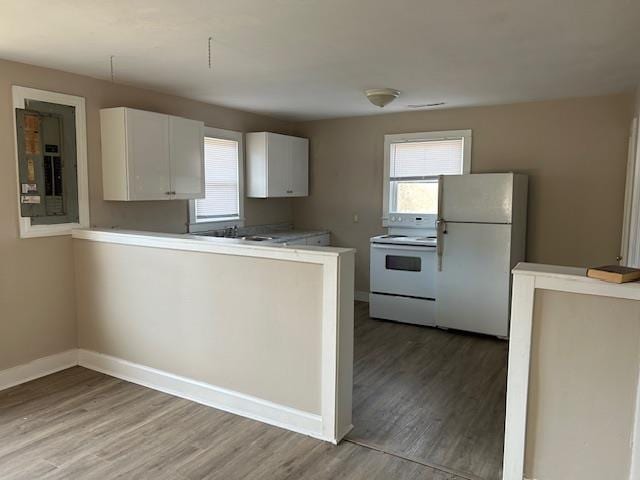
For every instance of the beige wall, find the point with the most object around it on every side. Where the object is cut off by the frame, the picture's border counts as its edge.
(157, 216)
(182, 312)
(584, 375)
(574, 150)
(37, 312)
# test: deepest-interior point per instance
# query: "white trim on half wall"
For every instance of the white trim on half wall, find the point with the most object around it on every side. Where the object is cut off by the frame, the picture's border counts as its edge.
(527, 278)
(223, 399)
(205, 394)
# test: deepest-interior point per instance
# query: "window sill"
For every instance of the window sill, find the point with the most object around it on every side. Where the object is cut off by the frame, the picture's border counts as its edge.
(216, 224)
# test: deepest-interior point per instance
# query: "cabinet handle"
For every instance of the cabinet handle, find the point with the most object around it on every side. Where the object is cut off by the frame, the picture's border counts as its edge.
(167, 193)
(289, 191)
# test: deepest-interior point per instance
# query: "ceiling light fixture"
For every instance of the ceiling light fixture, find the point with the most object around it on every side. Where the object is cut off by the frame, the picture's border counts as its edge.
(426, 105)
(381, 96)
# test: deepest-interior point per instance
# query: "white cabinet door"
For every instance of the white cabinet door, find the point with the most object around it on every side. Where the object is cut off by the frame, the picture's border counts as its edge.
(256, 162)
(299, 167)
(186, 147)
(279, 173)
(148, 155)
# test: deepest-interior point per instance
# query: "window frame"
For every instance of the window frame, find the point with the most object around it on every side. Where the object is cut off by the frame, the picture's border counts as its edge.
(26, 229)
(406, 219)
(226, 222)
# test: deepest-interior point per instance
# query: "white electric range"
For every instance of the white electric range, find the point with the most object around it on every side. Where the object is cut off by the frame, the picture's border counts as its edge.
(403, 277)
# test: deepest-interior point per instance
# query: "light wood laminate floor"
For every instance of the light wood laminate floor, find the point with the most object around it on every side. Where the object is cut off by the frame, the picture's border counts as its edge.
(426, 394)
(80, 424)
(429, 396)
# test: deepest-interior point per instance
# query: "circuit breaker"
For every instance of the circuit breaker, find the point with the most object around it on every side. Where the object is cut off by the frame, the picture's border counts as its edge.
(47, 163)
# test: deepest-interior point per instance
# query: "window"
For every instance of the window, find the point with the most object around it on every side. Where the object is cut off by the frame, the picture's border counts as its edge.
(51, 156)
(223, 161)
(413, 163)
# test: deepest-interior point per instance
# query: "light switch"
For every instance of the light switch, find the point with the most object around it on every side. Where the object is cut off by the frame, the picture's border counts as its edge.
(356, 218)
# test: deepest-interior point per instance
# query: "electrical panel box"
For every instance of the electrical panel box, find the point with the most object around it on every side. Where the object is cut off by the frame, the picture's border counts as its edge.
(47, 163)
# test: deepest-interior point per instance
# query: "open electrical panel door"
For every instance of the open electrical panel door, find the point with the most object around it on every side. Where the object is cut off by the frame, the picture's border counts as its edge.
(47, 162)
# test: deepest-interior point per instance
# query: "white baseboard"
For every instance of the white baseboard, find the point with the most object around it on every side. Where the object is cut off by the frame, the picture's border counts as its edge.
(37, 368)
(361, 296)
(200, 392)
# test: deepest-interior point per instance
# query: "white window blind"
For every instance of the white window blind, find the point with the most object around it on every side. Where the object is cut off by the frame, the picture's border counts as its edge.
(424, 159)
(221, 181)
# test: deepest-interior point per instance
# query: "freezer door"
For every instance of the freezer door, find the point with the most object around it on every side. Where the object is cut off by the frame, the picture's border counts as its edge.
(473, 288)
(480, 198)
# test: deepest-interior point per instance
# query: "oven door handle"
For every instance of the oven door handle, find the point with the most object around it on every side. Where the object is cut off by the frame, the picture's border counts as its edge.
(413, 248)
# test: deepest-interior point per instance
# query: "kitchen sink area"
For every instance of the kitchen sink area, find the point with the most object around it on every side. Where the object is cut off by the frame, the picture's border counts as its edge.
(281, 234)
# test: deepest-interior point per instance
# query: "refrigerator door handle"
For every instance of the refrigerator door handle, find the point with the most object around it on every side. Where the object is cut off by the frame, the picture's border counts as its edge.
(441, 224)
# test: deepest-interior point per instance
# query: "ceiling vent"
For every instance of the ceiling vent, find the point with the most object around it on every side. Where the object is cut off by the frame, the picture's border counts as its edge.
(426, 105)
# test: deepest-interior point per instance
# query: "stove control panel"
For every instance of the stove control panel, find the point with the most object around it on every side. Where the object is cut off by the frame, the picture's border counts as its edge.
(411, 221)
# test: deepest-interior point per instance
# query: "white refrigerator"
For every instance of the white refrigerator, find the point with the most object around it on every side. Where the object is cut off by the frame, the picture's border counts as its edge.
(481, 237)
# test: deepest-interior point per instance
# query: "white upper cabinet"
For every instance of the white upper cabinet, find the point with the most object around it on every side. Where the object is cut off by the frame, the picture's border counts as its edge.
(186, 152)
(277, 165)
(299, 166)
(151, 156)
(146, 139)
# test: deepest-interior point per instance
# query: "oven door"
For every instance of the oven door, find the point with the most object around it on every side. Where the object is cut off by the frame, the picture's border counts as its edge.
(405, 270)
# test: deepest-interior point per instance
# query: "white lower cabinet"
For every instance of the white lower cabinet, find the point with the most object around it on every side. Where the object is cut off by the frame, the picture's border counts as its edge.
(323, 240)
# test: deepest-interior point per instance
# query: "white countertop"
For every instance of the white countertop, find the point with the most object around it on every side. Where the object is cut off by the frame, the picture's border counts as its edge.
(198, 243)
(279, 236)
(575, 280)
(524, 268)
(292, 235)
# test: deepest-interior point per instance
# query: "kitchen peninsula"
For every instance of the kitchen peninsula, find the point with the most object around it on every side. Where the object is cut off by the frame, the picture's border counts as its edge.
(263, 331)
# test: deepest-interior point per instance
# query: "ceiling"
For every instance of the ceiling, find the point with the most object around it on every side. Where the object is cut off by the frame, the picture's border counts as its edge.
(309, 59)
